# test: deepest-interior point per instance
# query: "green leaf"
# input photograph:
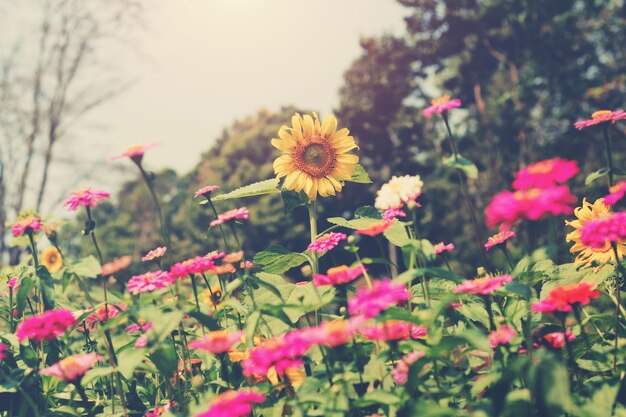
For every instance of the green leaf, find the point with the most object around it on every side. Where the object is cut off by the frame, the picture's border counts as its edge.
(258, 188)
(95, 373)
(205, 320)
(26, 284)
(251, 325)
(292, 200)
(360, 175)
(276, 259)
(46, 286)
(464, 164)
(87, 267)
(595, 175)
(307, 298)
(268, 286)
(378, 397)
(165, 360)
(410, 275)
(368, 212)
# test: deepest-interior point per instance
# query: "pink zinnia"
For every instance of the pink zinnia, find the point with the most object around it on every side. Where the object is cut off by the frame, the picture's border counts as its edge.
(233, 404)
(338, 275)
(85, 197)
(45, 326)
(394, 330)
(72, 368)
(383, 294)
(235, 214)
(282, 353)
(545, 174)
(564, 297)
(502, 335)
(499, 238)
(604, 231)
(31, 224)
(390, 214)
(103, 313)
(142, 326)
(326, 242)
(333, 333)
(509, 207)
(197, 265)
(400, 374)
(484, 285)
(440, 105)
(217, 342)
(157, 411)
(601, 116)
(148, 282)
(154, 254)
(556, 340)
(135, 152)
(3, 349)
(616, 193)
(206, 191)
(442, 247)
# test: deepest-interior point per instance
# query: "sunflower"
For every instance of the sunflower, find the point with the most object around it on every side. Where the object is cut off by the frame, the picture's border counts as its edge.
(588, 255)
(51, 259)
(315, 156)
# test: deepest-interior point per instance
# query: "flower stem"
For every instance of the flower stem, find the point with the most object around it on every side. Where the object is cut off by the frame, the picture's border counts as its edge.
(618, 301)
(312, 207)
(155, 200)
(220, 226)
(609, 154)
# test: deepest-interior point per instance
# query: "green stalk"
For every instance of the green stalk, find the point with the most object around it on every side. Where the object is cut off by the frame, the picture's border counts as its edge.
(312, 207)
(157, 206)
(609, 154)
(220, 226)
(618, 301)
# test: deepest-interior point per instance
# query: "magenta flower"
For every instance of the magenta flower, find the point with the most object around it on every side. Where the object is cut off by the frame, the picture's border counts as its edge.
(544, 174)
(484, 285)
(235, 214)
(206, 191)
(390, 214)
(338, 275)
(326, 242)
(601, 116)
(45, 326)
(85, 197)
(282, 353)
(72, 368)
(508, 207)
(499, 238)
(442, 247)
(616, 193)
(400, 374)
(233, 404)
(154, 254)
(217, 342)
(602, 232)
(31, 224)
(440, 105)
(556, 340)
(135, 152)
(371, 301)
(3, 349)
(143, 326)
(394, 330)
(149, 282)
(501, 336)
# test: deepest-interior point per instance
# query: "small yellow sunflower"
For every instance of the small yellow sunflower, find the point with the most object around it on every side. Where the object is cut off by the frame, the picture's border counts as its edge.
(51, 259)
(315, 155)
(588, 255)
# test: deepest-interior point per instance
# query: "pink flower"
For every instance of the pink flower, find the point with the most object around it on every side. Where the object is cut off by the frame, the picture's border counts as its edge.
(141, 341)
(333, 333)
(564, 297)
(544, 174)
(116, 265)
(375, 229)
(135, 152)
(499, 238)
(282, 353)
(216, 342)
(394, 330)
(150, 281)
(233, 404)
(601, 116)
(235, 214)
(502, 335)
(3, 349)
(400, 373)
(73, 367)
(338, 275)
(326, 242)
(441, 248)
(85, 197)
(31, 224)
(440, 105)
(483, 286)
(160, 410)
(556, 340)
(600, 233)
(45, 326)
(616, 193)
(371, 301)
(197, 265)
(509, 207)
(390, 214)
(142, 326)
(103, 313)
(154, 254)
(206, 191)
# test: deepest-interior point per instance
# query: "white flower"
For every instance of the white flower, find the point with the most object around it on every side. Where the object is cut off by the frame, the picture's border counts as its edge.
(398, 192)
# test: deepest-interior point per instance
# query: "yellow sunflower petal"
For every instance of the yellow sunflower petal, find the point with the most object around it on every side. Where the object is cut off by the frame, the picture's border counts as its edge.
(348, 158)
(282, 145)
(307, 126)
(329, 125)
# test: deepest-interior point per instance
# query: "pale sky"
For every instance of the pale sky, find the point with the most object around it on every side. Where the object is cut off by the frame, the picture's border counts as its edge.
(206, 63)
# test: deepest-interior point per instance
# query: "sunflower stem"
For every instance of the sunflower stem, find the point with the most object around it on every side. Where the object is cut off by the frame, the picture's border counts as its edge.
(312, 207)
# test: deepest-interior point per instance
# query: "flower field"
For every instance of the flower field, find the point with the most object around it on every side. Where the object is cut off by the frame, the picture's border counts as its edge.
(230, 333)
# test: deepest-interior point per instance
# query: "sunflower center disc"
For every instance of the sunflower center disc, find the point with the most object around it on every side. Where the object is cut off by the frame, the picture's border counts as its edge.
(315, 155)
